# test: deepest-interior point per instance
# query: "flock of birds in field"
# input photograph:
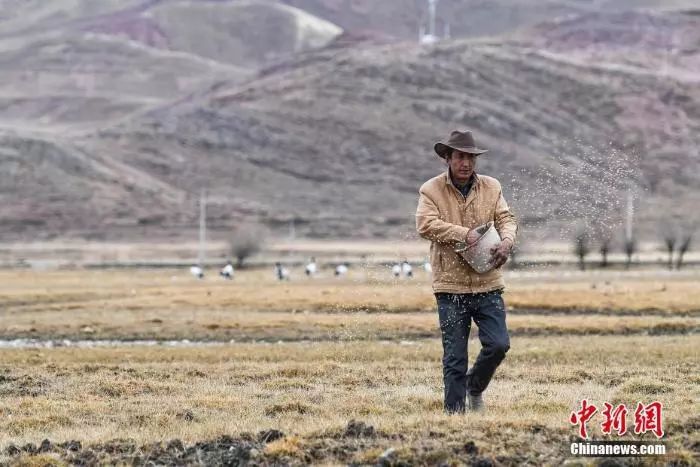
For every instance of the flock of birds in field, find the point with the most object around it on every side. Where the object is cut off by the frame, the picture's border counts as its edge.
(311, 270)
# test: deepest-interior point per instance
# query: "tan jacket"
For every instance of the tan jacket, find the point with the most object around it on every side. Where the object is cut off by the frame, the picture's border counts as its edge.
(444, 216)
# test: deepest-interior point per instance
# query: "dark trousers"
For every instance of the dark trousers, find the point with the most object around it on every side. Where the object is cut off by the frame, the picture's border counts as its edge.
(456, 312)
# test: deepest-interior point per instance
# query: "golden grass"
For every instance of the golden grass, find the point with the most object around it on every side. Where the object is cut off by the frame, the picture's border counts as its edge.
(225, 325)
(364, 290)
(39, 460)
(287, 446)
(665, 294)
(311, 390)
(153, 304)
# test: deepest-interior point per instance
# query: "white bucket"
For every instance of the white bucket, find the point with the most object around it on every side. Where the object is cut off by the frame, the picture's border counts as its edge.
(478, 254)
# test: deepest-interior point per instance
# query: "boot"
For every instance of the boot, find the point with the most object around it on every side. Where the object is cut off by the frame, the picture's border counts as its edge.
(476, 403)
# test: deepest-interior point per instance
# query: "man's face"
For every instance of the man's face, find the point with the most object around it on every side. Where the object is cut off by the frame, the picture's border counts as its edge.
(462, 165)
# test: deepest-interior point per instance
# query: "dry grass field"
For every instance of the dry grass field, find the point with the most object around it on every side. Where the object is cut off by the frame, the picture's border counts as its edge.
(331, 371)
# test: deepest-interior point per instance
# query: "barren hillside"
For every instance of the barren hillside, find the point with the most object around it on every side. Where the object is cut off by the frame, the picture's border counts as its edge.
(467, 18)
(339, 139)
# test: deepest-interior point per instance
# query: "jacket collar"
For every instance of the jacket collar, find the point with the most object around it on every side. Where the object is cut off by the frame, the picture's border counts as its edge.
(472, 192)
(448, 178)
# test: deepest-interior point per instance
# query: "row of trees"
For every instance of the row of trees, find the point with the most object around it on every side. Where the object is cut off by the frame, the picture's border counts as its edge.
(676, 243)
(249, 239)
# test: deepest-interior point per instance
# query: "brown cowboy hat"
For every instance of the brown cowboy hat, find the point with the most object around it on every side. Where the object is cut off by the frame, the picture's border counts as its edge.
(461, 141)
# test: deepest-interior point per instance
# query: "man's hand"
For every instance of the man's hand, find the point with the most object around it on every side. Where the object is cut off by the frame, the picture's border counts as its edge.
(472, 236)
(500, 252)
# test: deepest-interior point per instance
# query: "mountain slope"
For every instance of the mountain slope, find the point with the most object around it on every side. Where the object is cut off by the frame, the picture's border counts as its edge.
(243, 33)
(467, 18)
(81, 82)
(71, 65)
(340, 139)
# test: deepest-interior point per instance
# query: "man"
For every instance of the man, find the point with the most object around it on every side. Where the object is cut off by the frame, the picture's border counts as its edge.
(450, 206)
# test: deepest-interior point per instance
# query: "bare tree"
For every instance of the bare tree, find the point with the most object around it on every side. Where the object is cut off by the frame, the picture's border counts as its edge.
(604, 250)
(581, 248)
(678, 234)
(604, 232)
(247, 240)
(683, 248)
(670, 242)
(630, 249)
(670, 230)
